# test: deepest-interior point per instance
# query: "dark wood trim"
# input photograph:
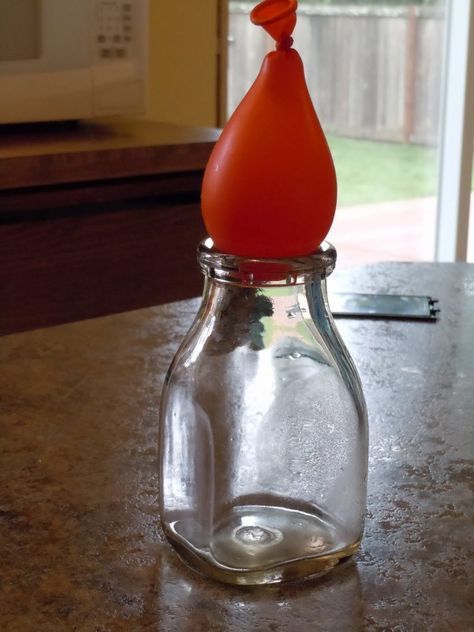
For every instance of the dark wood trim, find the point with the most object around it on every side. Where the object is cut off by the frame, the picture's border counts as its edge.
(35, 200)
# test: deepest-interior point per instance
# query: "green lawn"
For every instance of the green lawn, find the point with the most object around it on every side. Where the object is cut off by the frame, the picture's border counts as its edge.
(369, 171)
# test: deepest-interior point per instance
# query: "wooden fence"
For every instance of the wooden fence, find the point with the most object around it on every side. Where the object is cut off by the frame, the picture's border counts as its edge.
(373, 72)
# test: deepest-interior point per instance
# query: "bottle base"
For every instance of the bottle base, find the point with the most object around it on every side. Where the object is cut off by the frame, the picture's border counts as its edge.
(258, 544)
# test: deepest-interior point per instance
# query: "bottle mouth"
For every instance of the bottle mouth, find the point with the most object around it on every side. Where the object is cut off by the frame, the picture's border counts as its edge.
(250, 271)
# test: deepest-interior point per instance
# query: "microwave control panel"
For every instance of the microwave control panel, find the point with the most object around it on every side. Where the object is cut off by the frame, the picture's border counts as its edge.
(114, 29)
(95, 65)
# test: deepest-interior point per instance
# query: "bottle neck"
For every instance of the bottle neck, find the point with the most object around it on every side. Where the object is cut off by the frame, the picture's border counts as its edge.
(241, 295)
(251, 316)
(260, 273)
(225, 296)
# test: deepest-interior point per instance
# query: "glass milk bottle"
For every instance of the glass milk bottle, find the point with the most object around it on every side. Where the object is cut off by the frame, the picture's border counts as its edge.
(263, 429)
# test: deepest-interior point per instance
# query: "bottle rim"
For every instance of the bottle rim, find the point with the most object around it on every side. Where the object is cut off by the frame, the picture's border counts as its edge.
(252, 271)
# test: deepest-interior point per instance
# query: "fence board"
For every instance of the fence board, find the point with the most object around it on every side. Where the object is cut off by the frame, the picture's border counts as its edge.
(368, 74)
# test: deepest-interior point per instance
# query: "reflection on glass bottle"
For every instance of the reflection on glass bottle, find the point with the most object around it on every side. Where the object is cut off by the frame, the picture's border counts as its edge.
(263, 440)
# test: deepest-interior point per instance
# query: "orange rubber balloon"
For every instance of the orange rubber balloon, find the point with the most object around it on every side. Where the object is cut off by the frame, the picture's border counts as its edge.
(269, 188)
(278, 18)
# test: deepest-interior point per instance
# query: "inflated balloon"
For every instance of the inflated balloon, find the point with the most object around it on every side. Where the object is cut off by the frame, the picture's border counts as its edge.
(269, 188)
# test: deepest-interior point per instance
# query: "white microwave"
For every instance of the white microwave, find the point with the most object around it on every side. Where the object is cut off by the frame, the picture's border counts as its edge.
(72, 59)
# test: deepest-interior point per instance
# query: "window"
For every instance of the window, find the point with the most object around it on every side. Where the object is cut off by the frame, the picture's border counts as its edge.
(375, 74)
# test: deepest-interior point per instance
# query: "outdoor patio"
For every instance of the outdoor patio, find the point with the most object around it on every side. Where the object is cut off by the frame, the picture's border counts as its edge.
(403, 230)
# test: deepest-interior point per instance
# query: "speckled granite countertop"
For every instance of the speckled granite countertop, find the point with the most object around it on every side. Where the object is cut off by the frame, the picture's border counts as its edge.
(80, 543)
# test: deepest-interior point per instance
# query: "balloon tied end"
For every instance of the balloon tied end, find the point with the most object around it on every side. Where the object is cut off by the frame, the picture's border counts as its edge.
(285, 43)
(278, 18)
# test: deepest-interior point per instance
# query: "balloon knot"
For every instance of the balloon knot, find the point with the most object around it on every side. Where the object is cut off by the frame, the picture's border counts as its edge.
(285, 43)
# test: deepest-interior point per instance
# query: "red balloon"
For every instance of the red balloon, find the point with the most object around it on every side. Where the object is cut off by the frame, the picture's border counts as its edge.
(278, 18)
(269, 188)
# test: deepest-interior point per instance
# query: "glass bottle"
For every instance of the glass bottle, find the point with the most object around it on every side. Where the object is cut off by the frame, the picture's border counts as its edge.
(263, 426)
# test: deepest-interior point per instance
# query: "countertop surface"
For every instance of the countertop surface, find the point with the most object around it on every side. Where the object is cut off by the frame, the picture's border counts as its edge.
(51, 154)
(81, 547)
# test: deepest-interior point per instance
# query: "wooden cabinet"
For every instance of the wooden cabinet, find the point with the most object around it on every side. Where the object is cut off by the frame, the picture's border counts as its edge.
(98, 218)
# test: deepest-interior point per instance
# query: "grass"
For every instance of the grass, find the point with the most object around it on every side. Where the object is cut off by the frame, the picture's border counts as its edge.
(369, 171)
